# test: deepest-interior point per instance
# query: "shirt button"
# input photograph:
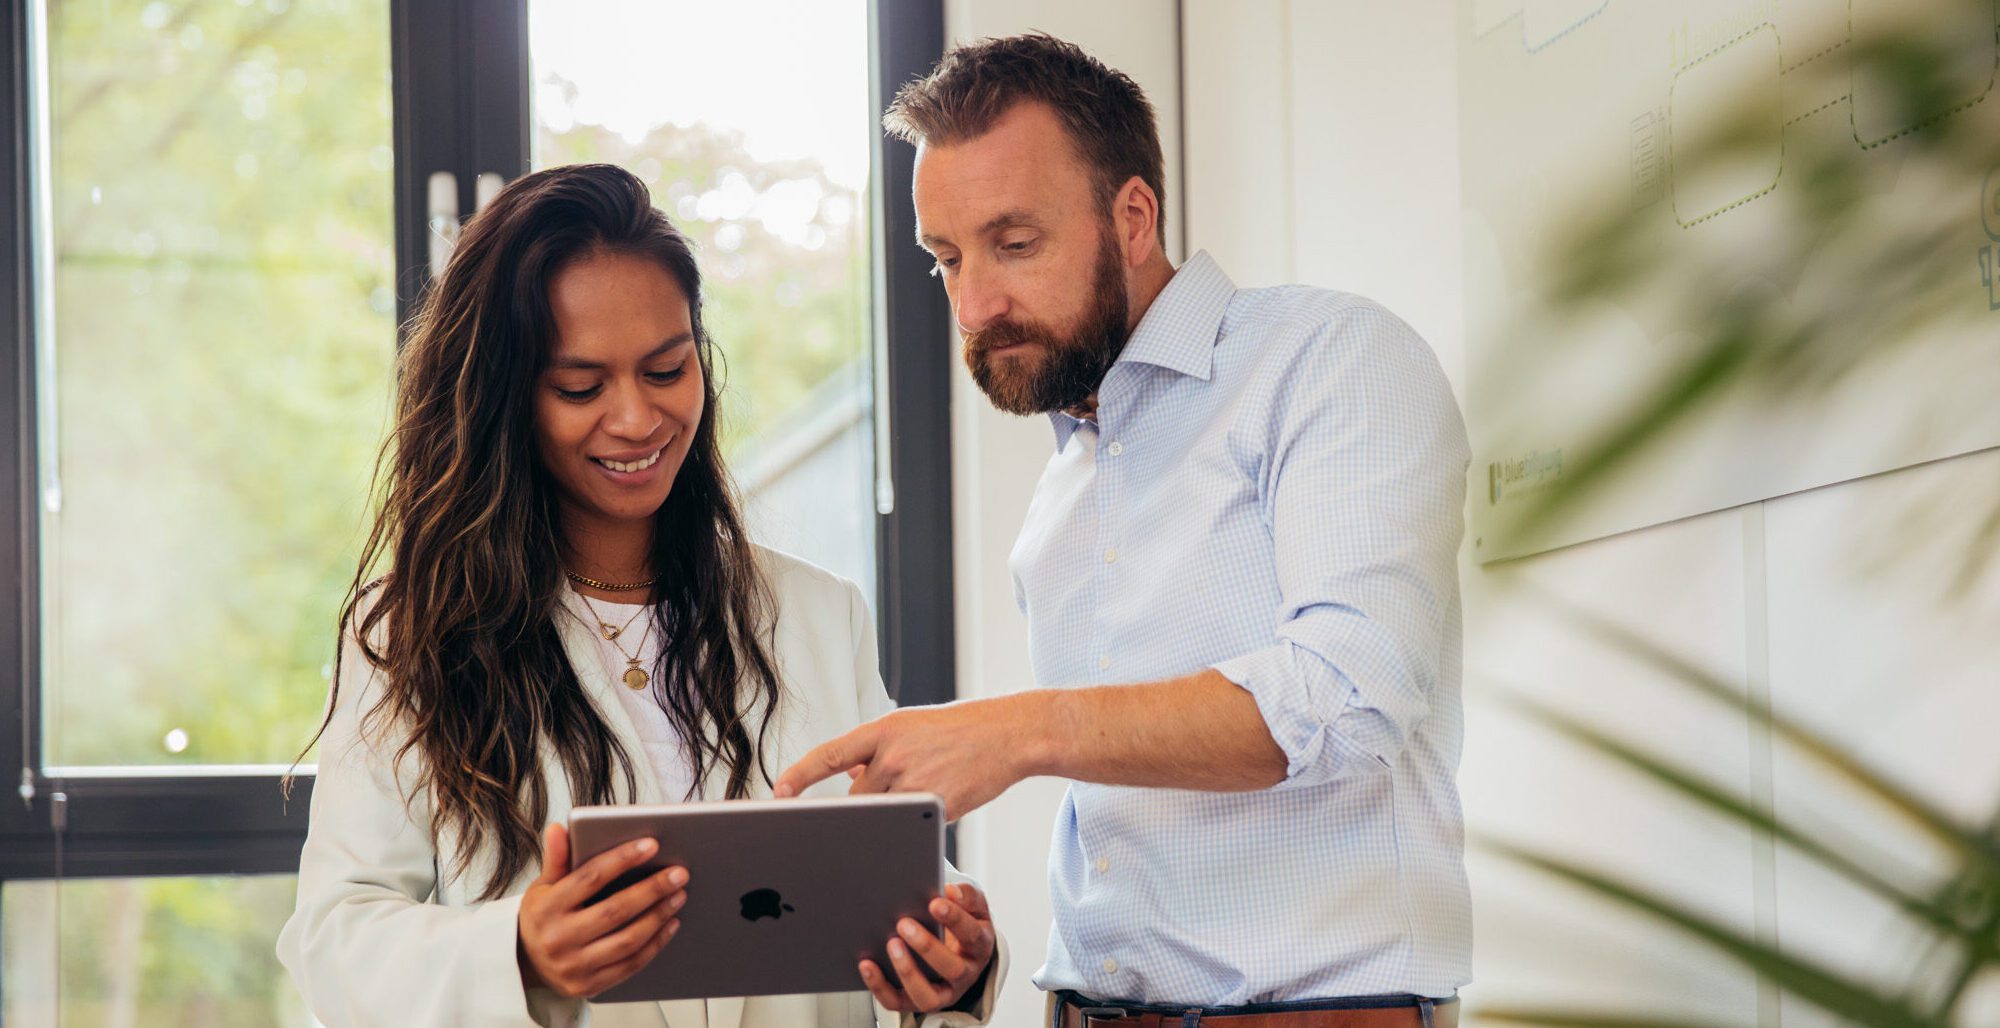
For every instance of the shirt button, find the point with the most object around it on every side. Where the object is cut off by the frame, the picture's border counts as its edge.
(1103, 864)
(1110, 556)
(1116, 448)
(1103, 662)
(1110, 966)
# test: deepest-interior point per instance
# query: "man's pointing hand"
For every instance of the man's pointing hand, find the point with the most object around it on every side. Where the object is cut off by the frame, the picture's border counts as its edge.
(966, 752)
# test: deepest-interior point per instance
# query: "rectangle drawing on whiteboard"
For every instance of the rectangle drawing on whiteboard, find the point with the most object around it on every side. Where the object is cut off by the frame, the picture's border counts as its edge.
(1961, 33)
(1733, 89)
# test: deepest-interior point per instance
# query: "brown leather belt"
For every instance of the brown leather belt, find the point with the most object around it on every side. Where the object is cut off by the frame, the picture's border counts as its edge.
(1443, 1015)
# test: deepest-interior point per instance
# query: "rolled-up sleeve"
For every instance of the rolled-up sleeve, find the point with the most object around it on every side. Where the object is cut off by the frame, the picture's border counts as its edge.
(1362, 487)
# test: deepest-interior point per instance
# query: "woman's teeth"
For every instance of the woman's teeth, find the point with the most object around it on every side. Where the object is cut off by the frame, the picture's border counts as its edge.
(635, 465)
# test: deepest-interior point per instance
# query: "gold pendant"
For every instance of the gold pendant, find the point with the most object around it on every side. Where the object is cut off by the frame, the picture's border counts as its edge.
(610, 631)
(636, 678)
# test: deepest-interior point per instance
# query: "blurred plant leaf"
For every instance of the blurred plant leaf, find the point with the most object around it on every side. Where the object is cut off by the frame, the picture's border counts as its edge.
(1968, 845)
(1815, 984)
(1939, 912)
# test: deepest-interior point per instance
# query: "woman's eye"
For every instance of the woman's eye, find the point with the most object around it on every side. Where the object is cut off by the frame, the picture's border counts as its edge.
(577, 395)
(664, 377)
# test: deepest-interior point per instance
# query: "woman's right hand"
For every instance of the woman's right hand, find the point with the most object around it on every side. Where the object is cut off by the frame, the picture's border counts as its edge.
(579, 950)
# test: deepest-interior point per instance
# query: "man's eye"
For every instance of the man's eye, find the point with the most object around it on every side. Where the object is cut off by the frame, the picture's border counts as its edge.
(944, 266)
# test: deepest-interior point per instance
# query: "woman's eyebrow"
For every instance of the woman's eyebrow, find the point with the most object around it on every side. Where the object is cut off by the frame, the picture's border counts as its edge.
(585, 364)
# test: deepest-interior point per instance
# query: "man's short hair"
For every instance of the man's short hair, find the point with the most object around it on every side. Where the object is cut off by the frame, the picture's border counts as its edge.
(1107, 115)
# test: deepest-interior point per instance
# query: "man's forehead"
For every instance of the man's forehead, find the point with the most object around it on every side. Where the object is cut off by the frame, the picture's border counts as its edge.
(1020, 169)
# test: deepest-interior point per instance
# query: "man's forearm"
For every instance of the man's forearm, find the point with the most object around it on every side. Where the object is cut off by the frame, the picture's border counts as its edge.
(1199, 732)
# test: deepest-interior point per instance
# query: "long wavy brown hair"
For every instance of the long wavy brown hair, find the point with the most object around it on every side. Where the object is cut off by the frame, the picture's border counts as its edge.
(476, 683)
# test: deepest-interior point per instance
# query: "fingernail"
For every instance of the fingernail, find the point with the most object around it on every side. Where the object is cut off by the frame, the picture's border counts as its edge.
(897, 950)
(677, 877)
(909, 930)
(647, 847)
(679, 899)
(940, 908)
(673, 926)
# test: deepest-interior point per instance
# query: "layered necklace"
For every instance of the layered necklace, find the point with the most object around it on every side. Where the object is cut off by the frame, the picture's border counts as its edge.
(636, 678)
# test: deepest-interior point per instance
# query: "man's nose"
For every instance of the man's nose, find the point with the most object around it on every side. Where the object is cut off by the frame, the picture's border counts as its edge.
(978, 299)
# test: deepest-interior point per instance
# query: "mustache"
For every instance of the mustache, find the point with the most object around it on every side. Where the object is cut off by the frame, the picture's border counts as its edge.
(1006, 333)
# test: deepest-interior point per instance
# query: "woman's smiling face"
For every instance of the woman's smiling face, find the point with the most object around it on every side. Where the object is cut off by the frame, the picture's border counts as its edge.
(617, 408)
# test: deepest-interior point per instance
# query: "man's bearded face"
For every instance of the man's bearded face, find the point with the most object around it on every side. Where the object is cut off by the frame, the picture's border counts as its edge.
(1031, 368)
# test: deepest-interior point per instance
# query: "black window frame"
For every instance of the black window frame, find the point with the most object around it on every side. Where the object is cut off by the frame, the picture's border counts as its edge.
(461, 88)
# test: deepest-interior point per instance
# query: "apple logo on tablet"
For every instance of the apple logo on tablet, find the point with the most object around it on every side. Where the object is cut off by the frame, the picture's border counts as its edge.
(764, 903)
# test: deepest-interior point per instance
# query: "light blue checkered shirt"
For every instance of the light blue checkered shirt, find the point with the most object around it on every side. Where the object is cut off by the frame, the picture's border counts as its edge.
(1272, 489)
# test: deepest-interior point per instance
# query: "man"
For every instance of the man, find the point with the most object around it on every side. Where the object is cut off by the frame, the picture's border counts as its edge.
(1239, 573)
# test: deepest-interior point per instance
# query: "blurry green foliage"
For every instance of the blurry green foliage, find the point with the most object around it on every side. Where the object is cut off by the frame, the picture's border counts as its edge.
(1884, 283)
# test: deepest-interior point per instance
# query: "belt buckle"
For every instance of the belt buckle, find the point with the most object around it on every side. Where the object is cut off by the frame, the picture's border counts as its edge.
(1108, 1013)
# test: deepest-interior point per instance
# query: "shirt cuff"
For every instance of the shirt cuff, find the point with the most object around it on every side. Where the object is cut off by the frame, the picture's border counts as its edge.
(1314, 751)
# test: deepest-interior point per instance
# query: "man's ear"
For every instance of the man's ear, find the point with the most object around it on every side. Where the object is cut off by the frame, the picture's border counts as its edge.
(1136, 213)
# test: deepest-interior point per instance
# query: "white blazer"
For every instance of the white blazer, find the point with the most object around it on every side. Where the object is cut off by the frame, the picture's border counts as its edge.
(384, 934)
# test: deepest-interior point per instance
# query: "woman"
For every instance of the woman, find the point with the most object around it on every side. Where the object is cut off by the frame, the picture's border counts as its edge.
(571, 615)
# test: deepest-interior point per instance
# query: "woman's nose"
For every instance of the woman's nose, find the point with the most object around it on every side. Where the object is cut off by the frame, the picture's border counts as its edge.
(633, 414)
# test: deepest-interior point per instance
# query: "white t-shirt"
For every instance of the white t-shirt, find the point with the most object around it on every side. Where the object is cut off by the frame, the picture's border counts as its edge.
(665, 752)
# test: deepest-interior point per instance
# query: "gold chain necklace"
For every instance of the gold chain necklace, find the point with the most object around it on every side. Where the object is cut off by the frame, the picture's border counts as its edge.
(611, 587)
(636, 678)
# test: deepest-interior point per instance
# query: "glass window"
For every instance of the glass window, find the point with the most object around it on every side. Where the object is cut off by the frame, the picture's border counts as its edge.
(757, 143)
(214, 366)
(160, 952)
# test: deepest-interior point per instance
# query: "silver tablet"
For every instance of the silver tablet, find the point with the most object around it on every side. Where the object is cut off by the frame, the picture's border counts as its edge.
(783, 896)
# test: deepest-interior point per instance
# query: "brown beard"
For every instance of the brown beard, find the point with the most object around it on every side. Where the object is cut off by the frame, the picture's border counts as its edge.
(1072, 364)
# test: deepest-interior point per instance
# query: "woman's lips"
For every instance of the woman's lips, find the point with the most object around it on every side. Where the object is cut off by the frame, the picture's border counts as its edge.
(634, 472)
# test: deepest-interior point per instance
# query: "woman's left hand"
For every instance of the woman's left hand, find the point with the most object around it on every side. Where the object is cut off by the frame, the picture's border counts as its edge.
(959, 958)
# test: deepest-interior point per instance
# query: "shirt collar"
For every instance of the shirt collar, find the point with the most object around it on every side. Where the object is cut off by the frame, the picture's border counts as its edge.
(1065, 426)
(1177, 332)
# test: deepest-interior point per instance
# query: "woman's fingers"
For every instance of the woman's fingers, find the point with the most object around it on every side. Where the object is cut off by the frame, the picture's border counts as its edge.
(590, 877)
(632, 940)
(555, 853)
(605, 917)
(878, 986)
(973, 934)
(919, 988)
(617, 972)
(971, 899)
(603, 941)
(932, 951)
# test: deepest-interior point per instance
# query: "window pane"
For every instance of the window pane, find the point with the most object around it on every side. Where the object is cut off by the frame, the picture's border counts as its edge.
(160, 952)
(215, 366)
(760, 152)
